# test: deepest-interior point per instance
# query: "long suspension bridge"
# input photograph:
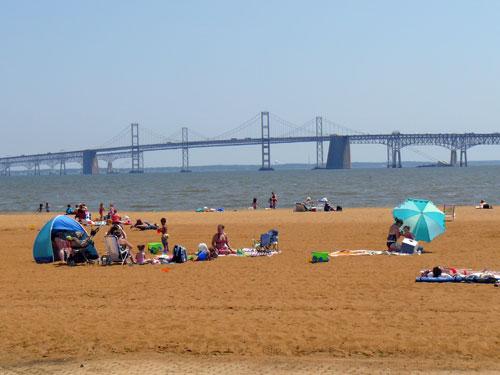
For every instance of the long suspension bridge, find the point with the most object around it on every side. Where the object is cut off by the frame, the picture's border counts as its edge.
(263, 129)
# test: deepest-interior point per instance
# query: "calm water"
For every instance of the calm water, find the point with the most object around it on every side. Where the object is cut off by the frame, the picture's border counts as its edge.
(187, 191)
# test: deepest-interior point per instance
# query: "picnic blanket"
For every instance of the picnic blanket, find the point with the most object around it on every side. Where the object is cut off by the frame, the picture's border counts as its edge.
(342, 253)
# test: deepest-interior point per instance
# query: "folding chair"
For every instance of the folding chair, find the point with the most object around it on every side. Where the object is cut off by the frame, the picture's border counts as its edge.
(449, 212)
(115, 253)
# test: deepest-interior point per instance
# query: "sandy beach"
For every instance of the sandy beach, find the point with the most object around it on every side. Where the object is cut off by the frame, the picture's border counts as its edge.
(245, 315)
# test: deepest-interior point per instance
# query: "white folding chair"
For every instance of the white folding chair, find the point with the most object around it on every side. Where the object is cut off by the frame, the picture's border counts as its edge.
(115, 252)
(449, 212)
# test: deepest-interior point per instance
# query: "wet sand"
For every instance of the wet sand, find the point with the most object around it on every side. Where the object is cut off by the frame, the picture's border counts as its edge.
(245, 315)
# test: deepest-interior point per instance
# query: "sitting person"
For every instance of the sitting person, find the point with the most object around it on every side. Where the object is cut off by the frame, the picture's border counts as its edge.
(393, 235)
(484, 204)
(141, 257)
(220, 242)
(406, 233)
(327, 207)
(63, 247)
(117, 231)
(69, 210)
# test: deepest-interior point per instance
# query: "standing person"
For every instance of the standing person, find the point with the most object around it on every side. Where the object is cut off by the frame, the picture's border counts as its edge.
(254, 203)
(274, 200)
(164, 235)
(101, 211)
(40, 208)
(394, 234)
(47, 207)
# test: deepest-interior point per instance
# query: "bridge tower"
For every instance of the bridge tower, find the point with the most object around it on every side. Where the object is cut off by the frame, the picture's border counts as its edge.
(185, 150)
(319, 143)
(266, 142)
(137, 156)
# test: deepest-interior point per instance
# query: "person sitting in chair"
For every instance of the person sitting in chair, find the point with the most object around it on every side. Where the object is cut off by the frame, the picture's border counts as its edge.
(117, 231)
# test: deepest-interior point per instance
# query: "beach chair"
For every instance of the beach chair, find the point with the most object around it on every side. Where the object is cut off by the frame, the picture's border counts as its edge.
(449, 212)
(115, 253)
(300, 207)
(268, 241)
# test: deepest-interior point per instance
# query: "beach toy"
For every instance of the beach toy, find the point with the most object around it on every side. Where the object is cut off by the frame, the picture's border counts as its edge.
(155, 247)
(320, 256)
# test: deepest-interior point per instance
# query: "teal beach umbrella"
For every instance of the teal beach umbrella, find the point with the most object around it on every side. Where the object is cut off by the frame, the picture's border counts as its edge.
(425, 220)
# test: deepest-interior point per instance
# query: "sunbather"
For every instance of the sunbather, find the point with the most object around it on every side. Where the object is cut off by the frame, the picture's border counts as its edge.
(220, 242)
(144, 225)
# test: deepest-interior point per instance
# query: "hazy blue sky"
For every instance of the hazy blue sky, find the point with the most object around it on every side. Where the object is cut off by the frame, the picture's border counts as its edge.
(74, 73)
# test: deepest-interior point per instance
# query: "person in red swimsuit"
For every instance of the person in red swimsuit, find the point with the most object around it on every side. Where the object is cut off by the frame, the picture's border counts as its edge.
(220, 242)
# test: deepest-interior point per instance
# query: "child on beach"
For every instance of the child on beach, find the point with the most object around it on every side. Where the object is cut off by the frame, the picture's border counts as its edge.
(141, 257)
(101, 211)
(164, 234)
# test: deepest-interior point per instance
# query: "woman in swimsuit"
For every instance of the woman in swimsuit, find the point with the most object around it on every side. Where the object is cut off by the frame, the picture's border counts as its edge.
(220, 242)
(394, 234)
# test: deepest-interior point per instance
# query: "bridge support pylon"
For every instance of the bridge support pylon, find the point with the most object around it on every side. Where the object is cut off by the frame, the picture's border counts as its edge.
(266, 142)
(185, 150)
(109, 168)
(339, 153)
(453, 157)
(319, 143)
(463, 157)
(90, 165)
(37, 169)
(62, 167)
(137, 155)
(394, 155)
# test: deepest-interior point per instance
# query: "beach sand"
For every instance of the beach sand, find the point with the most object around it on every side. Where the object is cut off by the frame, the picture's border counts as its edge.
(277, 314)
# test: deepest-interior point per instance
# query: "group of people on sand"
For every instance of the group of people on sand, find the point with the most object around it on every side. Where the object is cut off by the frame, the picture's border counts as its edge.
(396, 233)
(67, 246)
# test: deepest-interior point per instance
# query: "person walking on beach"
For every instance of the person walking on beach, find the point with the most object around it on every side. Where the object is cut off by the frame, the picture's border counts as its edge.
(47, 207)
(273, 200)
(164, 234)
(40, 208)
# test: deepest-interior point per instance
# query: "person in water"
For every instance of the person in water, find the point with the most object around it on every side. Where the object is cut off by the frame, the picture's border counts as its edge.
(220, 242)
(394, 234)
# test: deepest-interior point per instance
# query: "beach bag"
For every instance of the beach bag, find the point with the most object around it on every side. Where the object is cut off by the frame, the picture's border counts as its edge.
(339, 208)
(179, 254)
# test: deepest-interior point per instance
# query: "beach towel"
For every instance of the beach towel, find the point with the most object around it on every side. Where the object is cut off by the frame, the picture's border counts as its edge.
(341, 253)
(251, 252)
(460, 276)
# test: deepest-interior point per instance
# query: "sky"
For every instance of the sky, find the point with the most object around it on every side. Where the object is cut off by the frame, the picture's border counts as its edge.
(73, 74)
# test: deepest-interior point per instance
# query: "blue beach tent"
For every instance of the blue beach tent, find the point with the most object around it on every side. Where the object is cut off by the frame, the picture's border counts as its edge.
(43, 252)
